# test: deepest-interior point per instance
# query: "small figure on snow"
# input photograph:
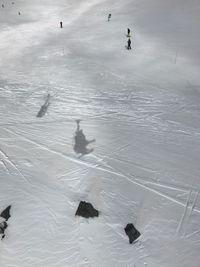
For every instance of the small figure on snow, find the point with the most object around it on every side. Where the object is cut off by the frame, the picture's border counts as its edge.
(128, 32)
(61, 25)
(80, 146)
(19, 13)
(2, 5)
(129, 44)
(109, 17)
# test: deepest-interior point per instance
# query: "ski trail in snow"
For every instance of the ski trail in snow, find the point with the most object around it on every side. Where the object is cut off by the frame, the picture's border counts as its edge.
(132, 179)
(194, 233)
(60, 121)
(189, 207)
(184, 213)
(26, 191)
(147, 180)
(4, 164)
(8, 159)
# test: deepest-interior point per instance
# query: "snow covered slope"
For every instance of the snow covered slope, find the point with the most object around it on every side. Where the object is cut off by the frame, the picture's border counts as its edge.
(141, 106)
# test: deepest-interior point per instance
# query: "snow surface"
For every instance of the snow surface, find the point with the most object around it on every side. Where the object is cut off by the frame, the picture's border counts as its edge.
(141, 106)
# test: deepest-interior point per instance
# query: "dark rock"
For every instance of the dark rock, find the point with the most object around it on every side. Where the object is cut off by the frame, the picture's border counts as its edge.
(1, 230)
(6, 213)
(131, 232)
(86, 210)
(3, 226)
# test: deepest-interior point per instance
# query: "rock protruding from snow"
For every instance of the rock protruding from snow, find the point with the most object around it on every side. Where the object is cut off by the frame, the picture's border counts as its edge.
(4, 216)
(6, 213)
(131, 232)
(3, 226)
(86, 210)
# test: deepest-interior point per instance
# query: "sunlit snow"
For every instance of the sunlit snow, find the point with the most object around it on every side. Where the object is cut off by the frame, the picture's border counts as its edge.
(139, 110)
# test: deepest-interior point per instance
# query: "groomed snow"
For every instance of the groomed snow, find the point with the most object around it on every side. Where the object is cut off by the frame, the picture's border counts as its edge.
(143, 108)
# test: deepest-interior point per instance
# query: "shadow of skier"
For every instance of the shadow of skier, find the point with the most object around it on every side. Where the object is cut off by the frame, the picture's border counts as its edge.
(44, 107)
(81, 143)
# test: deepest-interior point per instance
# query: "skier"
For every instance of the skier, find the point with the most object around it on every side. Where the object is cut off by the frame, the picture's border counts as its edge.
(2, 5)
(129, 44)
(109, 17)
(61, 25)
(19, 13)
(128, 32)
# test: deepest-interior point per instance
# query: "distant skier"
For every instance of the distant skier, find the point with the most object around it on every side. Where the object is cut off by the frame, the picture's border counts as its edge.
(128, 32)
(61, 25)
(2, 5)
(109, 17)
(19, 13)
(129, 44)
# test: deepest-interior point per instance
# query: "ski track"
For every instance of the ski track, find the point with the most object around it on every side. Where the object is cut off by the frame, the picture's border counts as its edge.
(151, 181)
(147, 180)
(7, 158)
(25, 190)
(189, 207)
(4, 164)
(131, 179)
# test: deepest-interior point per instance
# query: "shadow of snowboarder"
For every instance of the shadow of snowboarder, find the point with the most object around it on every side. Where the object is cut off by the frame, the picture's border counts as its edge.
(81, 143)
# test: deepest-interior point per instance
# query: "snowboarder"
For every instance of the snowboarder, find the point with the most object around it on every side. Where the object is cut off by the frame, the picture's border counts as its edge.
(109, 17)
(129, 44)
(128, 32)
(61, 25)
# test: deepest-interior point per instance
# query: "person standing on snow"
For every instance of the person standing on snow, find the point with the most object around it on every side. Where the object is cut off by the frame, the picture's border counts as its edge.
(129, 44)
(61, 25)
(109, 17)
(128, 32)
